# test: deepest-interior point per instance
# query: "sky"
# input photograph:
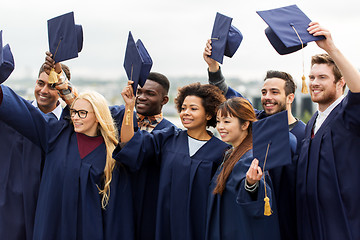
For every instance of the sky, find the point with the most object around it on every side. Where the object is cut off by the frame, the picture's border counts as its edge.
(174, 33)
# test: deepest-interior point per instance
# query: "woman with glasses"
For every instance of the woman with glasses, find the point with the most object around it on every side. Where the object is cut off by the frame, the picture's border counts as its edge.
(187, 158)
(75, 201)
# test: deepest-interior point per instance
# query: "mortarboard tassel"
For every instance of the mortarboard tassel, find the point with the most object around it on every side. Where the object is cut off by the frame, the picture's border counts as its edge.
(53, 76)
(267, 208)
(304, 88)
(128, 112)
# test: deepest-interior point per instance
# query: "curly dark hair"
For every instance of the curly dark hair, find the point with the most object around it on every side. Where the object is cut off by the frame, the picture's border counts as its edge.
(211, 97)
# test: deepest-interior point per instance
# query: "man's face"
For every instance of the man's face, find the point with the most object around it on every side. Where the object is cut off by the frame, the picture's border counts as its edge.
(150, 98)
(46, 96)
(273, 98)
(323, 89)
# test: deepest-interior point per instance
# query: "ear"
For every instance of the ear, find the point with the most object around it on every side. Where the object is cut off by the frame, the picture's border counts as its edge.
(208, 117)
(245, 125)
(290, 98)
(340, 84)
(165, 100)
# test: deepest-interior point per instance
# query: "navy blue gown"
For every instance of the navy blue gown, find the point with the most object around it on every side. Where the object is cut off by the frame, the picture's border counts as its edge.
(328, 190)
(69, 204)
(234, 214)
(183, 182)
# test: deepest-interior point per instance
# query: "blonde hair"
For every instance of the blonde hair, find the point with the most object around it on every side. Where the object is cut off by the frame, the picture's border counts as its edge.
(109, 132)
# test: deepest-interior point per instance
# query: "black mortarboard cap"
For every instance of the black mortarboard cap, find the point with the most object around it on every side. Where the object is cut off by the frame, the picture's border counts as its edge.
(137, 62)
(286, 25)
(65, 38)
(225, 38)
(271, 138)
(6, 61)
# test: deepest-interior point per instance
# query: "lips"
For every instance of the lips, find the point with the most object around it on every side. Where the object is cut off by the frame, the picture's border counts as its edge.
(141, 105)
(186, 120)
(44, 98)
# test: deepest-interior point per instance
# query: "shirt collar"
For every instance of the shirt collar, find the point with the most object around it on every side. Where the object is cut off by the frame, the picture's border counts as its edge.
(57, 111)
(331, 107)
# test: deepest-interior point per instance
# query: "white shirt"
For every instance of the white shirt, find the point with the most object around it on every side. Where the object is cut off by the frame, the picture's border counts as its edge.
(321, 117)
(194, 145)
(57, 111)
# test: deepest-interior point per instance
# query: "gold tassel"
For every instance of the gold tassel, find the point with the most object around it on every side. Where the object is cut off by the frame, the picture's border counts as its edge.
(267, 208)
(53, 76)
(304, 88)
(127, 117)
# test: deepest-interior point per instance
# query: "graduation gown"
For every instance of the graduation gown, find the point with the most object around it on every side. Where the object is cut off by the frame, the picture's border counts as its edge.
(183, 182)
(234, 215)
(145, 188)
(328, 191)
(69, 204)
(284, 179)
(21, 164)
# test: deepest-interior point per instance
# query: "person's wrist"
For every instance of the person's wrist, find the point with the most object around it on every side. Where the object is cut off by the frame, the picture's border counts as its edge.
(214, 67)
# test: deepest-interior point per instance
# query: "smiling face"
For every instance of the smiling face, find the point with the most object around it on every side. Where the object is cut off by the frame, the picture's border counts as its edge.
(230, 129)
(192, 114)
(150, 98)
(273, 97)
(45, 95)
(87, 125)
(323, 89)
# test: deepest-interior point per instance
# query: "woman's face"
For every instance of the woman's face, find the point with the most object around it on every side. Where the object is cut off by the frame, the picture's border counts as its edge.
(193, 115)
(83, 118)
(230, 129)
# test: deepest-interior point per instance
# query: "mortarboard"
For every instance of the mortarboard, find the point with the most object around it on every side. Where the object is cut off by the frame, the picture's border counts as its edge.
(6, 61)
(287, 25)
(225, 38)
(271, 140)
(271, 146)
(137, 62)
(65, 38)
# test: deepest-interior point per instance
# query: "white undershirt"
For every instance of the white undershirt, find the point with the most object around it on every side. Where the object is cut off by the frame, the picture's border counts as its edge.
(321, 117)
(195, 145)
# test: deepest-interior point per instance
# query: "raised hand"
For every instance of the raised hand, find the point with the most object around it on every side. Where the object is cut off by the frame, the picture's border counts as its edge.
(254, 173)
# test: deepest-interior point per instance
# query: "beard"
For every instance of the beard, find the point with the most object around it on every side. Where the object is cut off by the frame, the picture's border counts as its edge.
(278, 107)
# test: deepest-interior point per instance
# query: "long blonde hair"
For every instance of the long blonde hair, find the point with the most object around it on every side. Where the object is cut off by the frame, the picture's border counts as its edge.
(109, 132)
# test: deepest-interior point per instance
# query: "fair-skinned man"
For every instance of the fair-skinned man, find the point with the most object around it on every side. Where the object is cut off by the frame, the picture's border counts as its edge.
(328, 179)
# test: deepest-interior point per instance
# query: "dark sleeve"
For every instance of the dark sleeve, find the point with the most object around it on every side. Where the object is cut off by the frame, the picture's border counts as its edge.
(217, 79)
(351, 117)
(24, 118)
(1, 95)
(143, 146)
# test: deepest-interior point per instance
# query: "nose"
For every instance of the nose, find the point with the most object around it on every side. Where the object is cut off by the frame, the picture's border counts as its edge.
(141, 96)
(45, 88)
(267, 96)
(314, 82)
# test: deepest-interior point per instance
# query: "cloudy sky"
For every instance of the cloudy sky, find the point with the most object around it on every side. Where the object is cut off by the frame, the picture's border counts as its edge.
(174, 32)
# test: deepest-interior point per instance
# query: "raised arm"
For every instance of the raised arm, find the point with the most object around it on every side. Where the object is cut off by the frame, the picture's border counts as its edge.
(127, 127)
(66, 90)
(350, 73)
(215, 75)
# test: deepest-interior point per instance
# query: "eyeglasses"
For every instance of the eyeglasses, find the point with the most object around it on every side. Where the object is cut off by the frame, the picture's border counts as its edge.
(81, 113)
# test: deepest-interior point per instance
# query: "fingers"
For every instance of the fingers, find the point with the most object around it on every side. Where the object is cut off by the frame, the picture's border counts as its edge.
(208, 48)
(317, 30)
(254, 173)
